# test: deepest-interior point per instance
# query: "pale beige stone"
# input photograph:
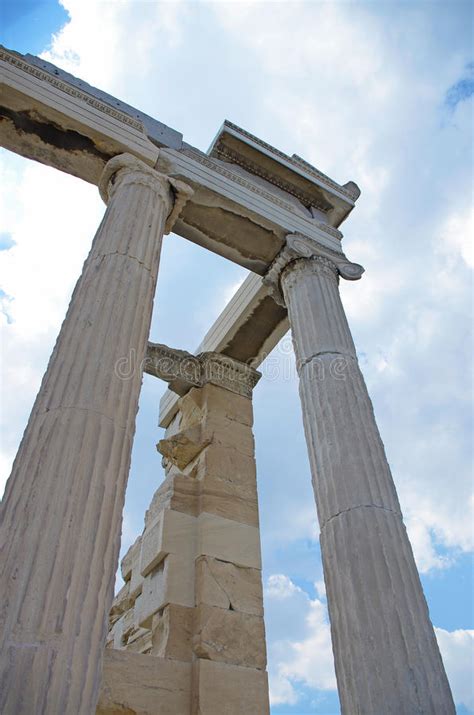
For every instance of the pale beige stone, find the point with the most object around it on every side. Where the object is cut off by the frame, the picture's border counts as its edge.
(135, 684)
(228, 433)
(136, 578)
(211, 400)
(115, 635)
(122, 602)
(230, 637)
(223, 584)
(227, 471)
(221, 689)
(179, 492)
(172, 532)
(183, 447)
(172, 632)
(243, 511)
(228, 540)
(172, 581)
(140, 641)
(129, 559)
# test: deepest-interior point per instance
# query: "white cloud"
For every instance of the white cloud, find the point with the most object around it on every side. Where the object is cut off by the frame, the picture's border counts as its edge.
(52, 219)
(357, 95)
(299, 641)
(300, 650)
(456, 235)
(457, 650)
(94, 43)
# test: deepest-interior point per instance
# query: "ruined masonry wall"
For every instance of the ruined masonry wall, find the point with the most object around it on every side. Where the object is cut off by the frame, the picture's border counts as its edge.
(192, 598)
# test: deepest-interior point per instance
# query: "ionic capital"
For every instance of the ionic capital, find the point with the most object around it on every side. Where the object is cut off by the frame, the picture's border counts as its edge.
(182, 370)
(125, 170)
(300, 249)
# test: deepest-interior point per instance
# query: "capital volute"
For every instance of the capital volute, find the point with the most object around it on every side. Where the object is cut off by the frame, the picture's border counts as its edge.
(126, 169)
(299, 248)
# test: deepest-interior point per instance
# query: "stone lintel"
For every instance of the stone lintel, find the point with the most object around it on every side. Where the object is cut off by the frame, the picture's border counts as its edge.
(248, 329)
(299, 247)
(241, 209)
(182, 370)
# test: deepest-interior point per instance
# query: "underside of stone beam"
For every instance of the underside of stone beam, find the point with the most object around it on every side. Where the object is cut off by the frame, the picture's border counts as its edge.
(247, 330)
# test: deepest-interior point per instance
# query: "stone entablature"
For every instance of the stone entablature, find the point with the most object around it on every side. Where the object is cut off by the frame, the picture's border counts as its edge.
(241, 211)
(182, 370)
(293, 175)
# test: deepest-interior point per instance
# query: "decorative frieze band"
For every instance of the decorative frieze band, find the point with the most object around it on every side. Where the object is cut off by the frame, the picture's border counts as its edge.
(182, 370)
(16, 61)
(225, 170)
(299, 247)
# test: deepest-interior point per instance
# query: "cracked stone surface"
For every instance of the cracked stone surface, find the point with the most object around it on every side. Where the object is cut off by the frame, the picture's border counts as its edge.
(194, 585)
(72, 466)
(386, 655)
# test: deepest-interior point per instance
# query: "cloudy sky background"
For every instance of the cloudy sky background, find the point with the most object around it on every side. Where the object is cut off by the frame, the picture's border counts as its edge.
(375, 92)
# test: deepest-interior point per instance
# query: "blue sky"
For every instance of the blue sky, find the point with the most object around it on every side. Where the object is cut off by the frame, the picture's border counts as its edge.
(376, 92)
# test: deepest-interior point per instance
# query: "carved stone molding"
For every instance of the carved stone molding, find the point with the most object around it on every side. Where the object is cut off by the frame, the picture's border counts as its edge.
(16, 61)
(299, 247)
(351, 190)
(226, 170)
(127, 169)
(182, 370)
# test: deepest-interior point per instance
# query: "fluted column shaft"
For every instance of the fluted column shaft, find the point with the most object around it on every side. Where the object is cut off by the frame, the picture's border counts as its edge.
(386, 655)
(62, 510)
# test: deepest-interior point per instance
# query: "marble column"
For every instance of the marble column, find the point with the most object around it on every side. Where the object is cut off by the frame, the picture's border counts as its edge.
(386, 654)
(62, 510)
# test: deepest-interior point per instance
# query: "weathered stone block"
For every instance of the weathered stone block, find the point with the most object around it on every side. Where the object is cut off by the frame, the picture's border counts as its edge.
(225, 585)
(172, 581)
(143, 685)
(229, 690)
(178, 492)
(184, 446)
(129, 559)
(228, 433)
(210, 399)
(244, 511)
(230, 637)
(172, 532)
(172, 632)
(228, 540)
(122, 602)
(227, 471)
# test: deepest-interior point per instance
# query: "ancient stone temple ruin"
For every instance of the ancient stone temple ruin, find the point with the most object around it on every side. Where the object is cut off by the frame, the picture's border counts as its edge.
(185, 635)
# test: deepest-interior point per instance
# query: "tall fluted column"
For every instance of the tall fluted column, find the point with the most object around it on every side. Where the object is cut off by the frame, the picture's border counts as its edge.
(62, 510)
(386, 655)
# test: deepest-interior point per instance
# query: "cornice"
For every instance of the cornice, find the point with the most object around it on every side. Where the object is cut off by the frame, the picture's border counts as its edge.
(351, 193)
(225, 154)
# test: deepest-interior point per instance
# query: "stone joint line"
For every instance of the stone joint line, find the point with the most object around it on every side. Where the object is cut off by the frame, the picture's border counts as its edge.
(315, 356)
(361, 506)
